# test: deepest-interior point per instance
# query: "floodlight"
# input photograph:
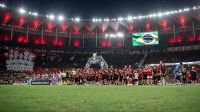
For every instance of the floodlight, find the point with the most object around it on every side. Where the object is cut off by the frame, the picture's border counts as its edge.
(77, 19)
(60, 17)
(120, 19)
(35, 14)
(22, 11)
(2, 5)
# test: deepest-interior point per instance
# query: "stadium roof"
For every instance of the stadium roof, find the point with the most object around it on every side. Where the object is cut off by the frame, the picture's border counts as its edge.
(103, 9)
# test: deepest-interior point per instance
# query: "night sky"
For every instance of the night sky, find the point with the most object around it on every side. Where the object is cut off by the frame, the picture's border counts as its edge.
(101, 8)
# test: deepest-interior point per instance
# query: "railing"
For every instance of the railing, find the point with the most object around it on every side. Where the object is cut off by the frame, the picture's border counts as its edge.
(70, 34)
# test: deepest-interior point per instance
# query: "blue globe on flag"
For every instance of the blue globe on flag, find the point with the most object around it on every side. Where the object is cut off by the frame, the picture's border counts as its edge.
(148, 38)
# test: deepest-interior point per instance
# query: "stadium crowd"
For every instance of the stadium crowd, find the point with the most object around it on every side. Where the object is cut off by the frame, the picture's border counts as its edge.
(173, 57)
(78, 59)
(67, 68)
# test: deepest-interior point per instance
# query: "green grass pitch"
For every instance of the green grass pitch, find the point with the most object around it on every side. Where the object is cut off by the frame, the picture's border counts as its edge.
(99, 98)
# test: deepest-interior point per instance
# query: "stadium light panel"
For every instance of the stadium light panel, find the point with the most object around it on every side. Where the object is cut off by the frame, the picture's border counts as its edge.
(186, 9)
(60, 18)
(120, 35)
(111, 35)
(77, 19)
(153, 15)
(159, 14)
(120, 19)
(167, 13)
(164, 13)
(194, 8)
(2, 5)
(134, 17)
(22, 11)
(129, 18)
(35, 14)
(51, 17)
(113, 19)
(172, 12)
(139, 17)
(94, 20)
(106, 20)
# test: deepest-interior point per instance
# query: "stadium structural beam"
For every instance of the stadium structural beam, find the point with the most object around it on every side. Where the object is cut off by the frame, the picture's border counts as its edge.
(174, 31)
(11, 34)
(193, 31)
(56, 35)
(69, 35)
(123, 38)
(27, 33)
(96, 36)
(42, 34)
(83, 38)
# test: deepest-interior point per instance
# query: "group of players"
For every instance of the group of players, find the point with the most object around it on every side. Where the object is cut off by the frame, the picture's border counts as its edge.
(114, 76)
(183, 74)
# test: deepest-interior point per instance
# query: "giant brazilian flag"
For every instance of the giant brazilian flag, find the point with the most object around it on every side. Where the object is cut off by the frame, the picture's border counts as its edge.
(145, 38)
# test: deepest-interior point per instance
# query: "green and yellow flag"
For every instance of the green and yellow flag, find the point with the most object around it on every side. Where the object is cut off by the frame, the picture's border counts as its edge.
(145, 38)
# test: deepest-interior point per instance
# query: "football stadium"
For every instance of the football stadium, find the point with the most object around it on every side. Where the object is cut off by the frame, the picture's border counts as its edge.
(147, 59)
